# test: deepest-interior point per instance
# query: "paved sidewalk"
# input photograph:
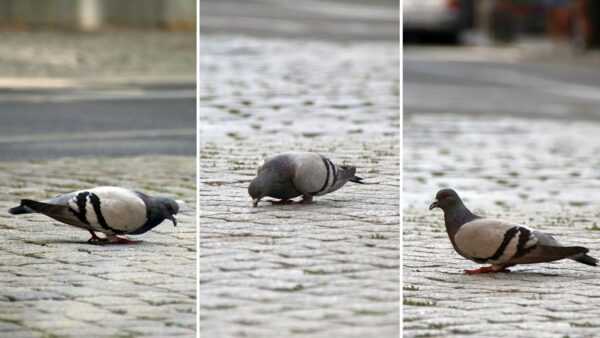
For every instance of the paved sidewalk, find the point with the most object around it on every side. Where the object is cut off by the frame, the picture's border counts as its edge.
(329, 269)
(541, 173)
(54, 284)
(102, 56)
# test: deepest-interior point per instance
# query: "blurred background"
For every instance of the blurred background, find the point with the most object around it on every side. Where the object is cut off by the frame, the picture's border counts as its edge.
(97, 78)
(266, 62)
(574, 22)
(315, 19)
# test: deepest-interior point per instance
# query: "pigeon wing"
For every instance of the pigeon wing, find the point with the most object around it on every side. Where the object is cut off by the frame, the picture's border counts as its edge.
(499, 242)
(61, 213)
(547, 250)
(313, 175)
(112, 209)
(493, 241)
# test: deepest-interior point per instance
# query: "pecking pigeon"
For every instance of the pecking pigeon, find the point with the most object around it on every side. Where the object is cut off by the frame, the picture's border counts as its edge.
(291, 174)
(111, 210)
(498, 242)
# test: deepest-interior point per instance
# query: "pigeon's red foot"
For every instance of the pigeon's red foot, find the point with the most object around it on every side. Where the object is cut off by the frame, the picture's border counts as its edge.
(105, 240)
(121, 240)
(96, 240)
(486, 269)
(280, 201)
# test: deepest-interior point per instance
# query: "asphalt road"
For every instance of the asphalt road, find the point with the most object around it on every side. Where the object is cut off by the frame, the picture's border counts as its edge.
(124, 120)
(330, 20)
(496, 81)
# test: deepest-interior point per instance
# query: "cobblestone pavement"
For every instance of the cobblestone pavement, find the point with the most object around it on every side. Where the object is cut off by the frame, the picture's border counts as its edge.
(541, 173)
(54, 284)
(329, 269)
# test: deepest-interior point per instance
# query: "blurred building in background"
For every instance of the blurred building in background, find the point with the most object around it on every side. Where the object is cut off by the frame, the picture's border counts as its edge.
(563, 21)
(445, 18)
(572, 21)
(97, 14)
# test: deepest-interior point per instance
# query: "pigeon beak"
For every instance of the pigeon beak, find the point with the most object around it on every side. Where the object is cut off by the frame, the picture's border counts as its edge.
(255, 202)
(434, 205)
(174, 220)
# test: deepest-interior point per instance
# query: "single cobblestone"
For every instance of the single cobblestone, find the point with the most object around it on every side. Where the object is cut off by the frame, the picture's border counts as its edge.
(54, 284)
(541, 173)
(329, 269)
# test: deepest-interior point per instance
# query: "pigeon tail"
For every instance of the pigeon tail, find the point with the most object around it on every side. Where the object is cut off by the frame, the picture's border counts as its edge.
(586, 259)
(356, 179)
(21, 209)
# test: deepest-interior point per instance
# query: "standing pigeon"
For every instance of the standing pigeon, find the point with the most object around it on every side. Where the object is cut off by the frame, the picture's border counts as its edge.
(291, 174)
(111, 210)
(498, 242)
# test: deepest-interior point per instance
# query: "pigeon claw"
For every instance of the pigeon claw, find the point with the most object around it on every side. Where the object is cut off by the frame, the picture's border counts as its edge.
(280, 202)
(486, 269)
(113, 240)
(305, 200)
(302, 202)
(95, 239)
(286, 202)
(122, 240)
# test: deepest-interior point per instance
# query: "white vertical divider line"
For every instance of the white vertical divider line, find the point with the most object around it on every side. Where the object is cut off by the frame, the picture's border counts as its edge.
(198, 139)
(401, 154)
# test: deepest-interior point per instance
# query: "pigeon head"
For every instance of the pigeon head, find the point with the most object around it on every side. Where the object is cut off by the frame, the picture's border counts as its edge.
(263, 185)
(169, 208)
(445, 199)
(257, 189)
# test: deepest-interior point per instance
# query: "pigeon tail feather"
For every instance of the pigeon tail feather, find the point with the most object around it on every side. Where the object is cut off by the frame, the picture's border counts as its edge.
(21, 209)
(60, 213)
(586, 259)
(356, 179)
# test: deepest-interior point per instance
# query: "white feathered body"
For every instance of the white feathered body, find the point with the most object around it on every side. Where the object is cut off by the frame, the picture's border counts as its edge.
(495, 240)
(121, 209)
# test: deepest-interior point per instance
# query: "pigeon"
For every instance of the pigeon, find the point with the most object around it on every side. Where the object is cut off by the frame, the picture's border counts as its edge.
(110, 210)
(292, 174)
(498, 242)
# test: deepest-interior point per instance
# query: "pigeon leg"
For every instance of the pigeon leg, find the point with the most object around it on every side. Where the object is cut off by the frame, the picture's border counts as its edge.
(485, 269)
(488, 269)
(505, 268)
(122, 240)
(305, 200)
(280, 202)
(95, 239)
